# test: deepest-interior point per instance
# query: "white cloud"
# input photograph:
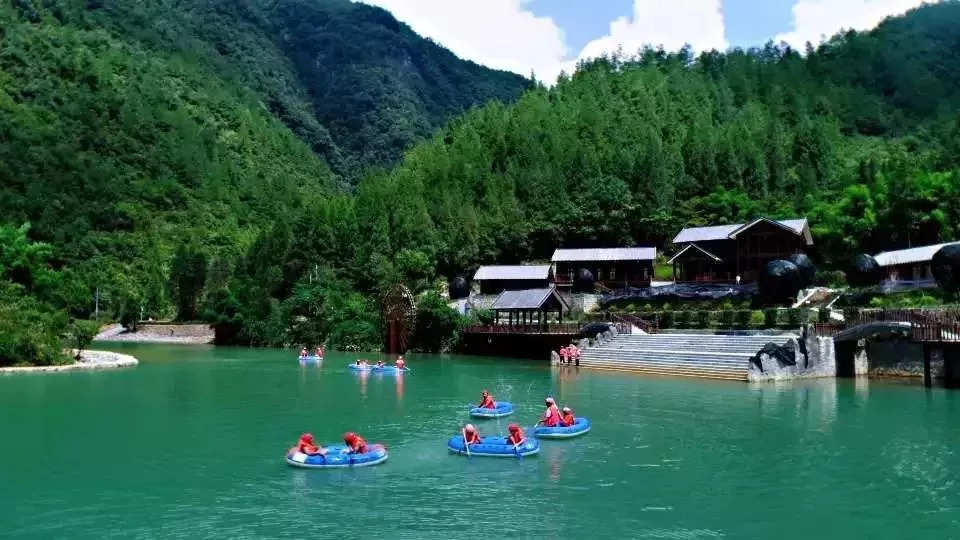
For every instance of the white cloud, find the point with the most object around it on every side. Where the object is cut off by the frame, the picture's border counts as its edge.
(503, 34)
(673, 24)
(815, 20)
(500, 34)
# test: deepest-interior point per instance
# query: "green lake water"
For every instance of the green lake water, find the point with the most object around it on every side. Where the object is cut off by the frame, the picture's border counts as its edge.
(190, 444)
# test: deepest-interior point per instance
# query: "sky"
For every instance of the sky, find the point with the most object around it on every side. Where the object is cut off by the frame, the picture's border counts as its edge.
(546, 37)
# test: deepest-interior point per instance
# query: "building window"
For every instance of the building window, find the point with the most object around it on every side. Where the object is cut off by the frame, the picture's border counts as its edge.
(613, 274)
(599, 274)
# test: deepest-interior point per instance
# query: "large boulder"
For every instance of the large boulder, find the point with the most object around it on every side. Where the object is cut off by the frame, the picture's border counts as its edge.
(806, 268)
(779, 282)
(459, 288)
(864, 271)
(584, 281)
(946, 267)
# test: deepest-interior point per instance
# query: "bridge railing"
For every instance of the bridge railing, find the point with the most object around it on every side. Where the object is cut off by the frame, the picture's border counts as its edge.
(926, 324)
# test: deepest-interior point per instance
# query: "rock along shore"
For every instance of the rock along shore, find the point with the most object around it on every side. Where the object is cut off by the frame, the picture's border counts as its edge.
(89, 360)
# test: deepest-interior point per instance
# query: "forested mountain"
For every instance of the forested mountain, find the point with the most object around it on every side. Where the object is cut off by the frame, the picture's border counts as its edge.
(351, 81)
(163, 149)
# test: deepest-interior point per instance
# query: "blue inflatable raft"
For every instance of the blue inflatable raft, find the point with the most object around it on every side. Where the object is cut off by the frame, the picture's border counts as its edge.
(311, 358)
(580, 426)
(336, 459)
(372, 368)
(504, 408)
(493, 447)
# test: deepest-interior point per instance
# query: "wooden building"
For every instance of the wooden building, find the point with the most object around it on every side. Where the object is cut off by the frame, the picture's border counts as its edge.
(611, 267)
(722, 253)
(496, 279)
(529, 308)
(911, 264)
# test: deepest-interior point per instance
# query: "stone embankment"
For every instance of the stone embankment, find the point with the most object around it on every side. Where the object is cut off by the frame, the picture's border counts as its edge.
(88, 361)
(196, 334)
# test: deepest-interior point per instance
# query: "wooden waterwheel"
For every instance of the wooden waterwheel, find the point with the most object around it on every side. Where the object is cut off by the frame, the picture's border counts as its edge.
(398, 318)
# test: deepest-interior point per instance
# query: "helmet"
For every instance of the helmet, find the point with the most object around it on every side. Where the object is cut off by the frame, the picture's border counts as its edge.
(513, 428)
(469, 428)
(350, 437)
(566, 409)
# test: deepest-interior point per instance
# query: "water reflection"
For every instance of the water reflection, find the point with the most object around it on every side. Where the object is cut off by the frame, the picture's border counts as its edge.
(814, 401)
(399, 378)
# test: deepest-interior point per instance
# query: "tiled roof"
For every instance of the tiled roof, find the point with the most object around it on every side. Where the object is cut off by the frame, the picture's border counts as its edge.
(724, 232)
(605, 254)
(528, 299)
(908, 256)
(538, 272)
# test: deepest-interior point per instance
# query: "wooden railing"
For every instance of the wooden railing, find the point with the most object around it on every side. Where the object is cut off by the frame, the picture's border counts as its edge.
(926, 324)
(625, 322)
(532, 328)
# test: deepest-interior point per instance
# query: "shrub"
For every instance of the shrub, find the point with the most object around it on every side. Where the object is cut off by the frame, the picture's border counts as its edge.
(743, 318)
(757, 318)
(794, 318)
(727, 318)
(702, 319)
(770, 317)
(682, 319)
(823, 315)
(666, 319)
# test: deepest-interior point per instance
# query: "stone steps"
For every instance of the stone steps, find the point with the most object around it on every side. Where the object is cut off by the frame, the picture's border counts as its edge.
(685, 355)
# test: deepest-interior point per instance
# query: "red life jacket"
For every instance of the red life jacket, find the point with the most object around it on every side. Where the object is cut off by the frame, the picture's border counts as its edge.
(568, 419)
(473, 438)
(488, 403)
(306, 448)
(551, 418)
(359, 446)
(516, 438)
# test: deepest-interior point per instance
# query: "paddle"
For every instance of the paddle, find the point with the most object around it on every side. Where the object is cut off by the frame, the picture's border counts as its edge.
(466, 443)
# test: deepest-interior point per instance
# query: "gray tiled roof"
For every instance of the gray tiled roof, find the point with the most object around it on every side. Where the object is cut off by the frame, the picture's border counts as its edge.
(528, 299)
(605, 254)
(723, 232)
(512, 272)
(908, 256)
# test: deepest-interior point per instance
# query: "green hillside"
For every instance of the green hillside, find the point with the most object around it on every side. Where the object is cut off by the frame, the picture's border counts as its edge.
(177, 155)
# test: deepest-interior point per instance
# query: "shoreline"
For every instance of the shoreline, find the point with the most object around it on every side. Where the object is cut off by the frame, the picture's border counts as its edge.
(183, 334)
(90, 360)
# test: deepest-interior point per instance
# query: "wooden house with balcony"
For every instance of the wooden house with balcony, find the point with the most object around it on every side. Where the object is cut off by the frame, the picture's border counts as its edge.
(910, 265)
(724, 253)
(611, 267)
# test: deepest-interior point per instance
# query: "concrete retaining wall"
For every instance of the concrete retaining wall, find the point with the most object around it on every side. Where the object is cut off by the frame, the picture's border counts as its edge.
(820, 361)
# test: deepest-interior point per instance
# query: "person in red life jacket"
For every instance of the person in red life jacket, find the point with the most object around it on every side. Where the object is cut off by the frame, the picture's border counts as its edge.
(575, 353)
(306, 446)
(304, 353)
(355, 443)
(564, 355)
(567, 418)
(401, 363)
(551, 417)
(319, 352)
(486, 401)
(379, 363)
(470, 434)
(516, 436)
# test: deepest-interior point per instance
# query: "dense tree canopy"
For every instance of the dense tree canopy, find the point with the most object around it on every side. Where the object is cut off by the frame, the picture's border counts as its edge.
(177, 154)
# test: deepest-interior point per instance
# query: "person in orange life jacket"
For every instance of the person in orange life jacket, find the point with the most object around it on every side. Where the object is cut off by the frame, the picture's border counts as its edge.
(567, 418)
(304, 353)
(355, 443)
(319, 352)
(471, 435)
(486, 401)
(516, 436)
(401, 363)
(306, 446)
(551, 417)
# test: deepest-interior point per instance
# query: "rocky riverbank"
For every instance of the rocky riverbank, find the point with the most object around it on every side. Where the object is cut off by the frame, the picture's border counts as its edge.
(89, 360)
(188, 334)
